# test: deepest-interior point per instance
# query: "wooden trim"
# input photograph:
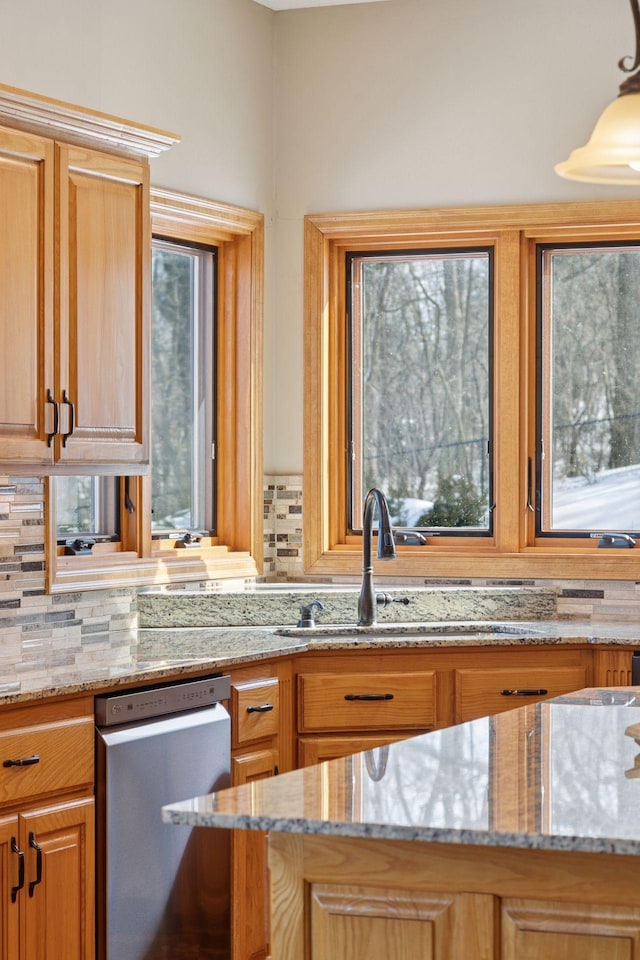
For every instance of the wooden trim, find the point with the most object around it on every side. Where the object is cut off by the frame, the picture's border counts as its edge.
(239, 236)
(514, 552)
(55, 118)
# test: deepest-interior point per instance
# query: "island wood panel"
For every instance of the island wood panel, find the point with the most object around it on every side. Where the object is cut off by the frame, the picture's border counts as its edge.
(551, 931)
(362, 921)
(588, 903)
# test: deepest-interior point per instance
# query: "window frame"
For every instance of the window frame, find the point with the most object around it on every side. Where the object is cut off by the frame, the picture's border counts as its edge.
(203, 370)
(237, 549)
(515, 232)
(354, 415)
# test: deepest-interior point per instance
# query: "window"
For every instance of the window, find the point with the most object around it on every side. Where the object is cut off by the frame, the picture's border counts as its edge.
(182, 388)
(588, 393)
(419, 416)
(206, 476)
(87, 507)
(182, 409)
(478, 365)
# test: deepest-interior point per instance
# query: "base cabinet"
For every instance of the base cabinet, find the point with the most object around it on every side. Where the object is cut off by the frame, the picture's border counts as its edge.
(57, 900)
(47, 883)
(261, 747)
(389, 900)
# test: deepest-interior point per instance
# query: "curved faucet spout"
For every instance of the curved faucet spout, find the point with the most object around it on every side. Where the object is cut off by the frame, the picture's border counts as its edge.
(386, 551)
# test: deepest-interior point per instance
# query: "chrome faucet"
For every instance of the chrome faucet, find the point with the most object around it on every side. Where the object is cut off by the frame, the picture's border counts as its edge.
(386, 551)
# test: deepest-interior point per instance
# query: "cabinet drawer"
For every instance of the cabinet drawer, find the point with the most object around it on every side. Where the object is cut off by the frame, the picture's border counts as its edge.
(254, 766)
(366, 701)
(255, 710)
(480, 693)
(64, 753)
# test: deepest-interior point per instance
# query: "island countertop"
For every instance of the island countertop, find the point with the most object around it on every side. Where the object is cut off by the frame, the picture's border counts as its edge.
(559, 775)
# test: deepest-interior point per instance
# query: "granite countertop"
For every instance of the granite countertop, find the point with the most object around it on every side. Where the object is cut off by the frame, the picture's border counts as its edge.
(580, 755)
(159, 653)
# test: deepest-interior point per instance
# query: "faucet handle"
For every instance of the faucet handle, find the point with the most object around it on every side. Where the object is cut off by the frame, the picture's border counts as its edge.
(306, 613)
(384, 599)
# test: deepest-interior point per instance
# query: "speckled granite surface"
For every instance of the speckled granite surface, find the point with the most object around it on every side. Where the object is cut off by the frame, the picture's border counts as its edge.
(450, 786)
(202, 609)
(156, 654)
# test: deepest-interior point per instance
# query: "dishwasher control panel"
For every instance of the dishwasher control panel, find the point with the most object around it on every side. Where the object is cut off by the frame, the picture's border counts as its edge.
(131, 705)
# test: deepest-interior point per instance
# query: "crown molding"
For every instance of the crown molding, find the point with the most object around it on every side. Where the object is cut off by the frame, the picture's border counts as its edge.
(36, 113)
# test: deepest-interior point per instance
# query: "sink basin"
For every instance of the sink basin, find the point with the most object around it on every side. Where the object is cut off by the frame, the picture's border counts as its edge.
(416, 631)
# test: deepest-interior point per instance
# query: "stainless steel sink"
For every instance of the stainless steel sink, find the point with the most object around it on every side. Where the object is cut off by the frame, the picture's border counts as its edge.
(454, 629)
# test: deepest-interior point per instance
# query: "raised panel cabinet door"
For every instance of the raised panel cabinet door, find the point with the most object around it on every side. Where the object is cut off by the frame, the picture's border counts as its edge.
(57, 917)
(10, 876)
(539, 930)
(104, 302)
(364, 923)
(26, 296)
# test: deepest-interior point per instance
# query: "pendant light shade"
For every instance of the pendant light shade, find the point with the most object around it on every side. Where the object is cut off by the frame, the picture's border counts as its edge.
(612, 154)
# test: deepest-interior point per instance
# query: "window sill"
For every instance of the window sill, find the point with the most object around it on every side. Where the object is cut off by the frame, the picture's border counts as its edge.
(126, 570)
(420, 562)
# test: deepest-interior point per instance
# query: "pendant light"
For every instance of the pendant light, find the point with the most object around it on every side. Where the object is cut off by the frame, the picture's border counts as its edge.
(612, 154)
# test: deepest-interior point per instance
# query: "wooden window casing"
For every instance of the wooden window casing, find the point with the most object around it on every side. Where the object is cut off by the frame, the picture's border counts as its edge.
(514, 233)
(236, 551)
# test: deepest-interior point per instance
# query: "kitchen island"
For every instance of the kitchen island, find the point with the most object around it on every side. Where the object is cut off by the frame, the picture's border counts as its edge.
(513, 836)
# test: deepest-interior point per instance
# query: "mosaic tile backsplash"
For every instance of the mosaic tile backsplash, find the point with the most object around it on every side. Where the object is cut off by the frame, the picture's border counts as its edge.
(68, 633)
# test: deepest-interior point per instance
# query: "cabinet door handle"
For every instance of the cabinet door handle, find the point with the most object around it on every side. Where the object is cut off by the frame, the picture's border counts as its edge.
(523, 693)
(72, 417)
(35, 846)
(23, 762)
(263, 708)
(56, 417)
(16, 890)
(368, 696)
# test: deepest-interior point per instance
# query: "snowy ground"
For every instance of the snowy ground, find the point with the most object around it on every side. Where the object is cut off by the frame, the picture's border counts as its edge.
(610, 502)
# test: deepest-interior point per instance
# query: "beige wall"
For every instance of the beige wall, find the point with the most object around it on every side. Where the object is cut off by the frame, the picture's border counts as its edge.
(420, 103)
(406, 103)
(200, 68)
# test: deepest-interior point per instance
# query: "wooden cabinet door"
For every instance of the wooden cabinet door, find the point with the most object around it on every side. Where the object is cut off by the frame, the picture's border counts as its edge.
(539, 930)
(366, 923)
(26, 296)
(57, 906)
(103, 301)
(317, 749)
(9, 882)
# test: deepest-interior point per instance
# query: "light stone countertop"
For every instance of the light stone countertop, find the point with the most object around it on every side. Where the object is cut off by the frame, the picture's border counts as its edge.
(174, 652)
(451, 786)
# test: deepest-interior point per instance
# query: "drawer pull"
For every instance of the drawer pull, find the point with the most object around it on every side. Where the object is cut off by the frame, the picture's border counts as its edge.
(56, 417)
(72, 417)
(368, 696)
(263, 708)
(35, 846)
(24, 762)
(523, 693)
(16, 890)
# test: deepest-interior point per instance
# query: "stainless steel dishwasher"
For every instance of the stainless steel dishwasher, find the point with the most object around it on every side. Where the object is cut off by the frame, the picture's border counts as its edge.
(163, 890)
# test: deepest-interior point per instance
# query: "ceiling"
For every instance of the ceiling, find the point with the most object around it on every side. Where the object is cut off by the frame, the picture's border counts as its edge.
(298, 4)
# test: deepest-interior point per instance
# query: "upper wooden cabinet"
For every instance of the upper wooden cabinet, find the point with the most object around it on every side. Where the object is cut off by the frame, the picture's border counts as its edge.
(75, 259)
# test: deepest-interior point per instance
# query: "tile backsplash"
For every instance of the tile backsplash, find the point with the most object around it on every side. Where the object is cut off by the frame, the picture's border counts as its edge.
(39, 632)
